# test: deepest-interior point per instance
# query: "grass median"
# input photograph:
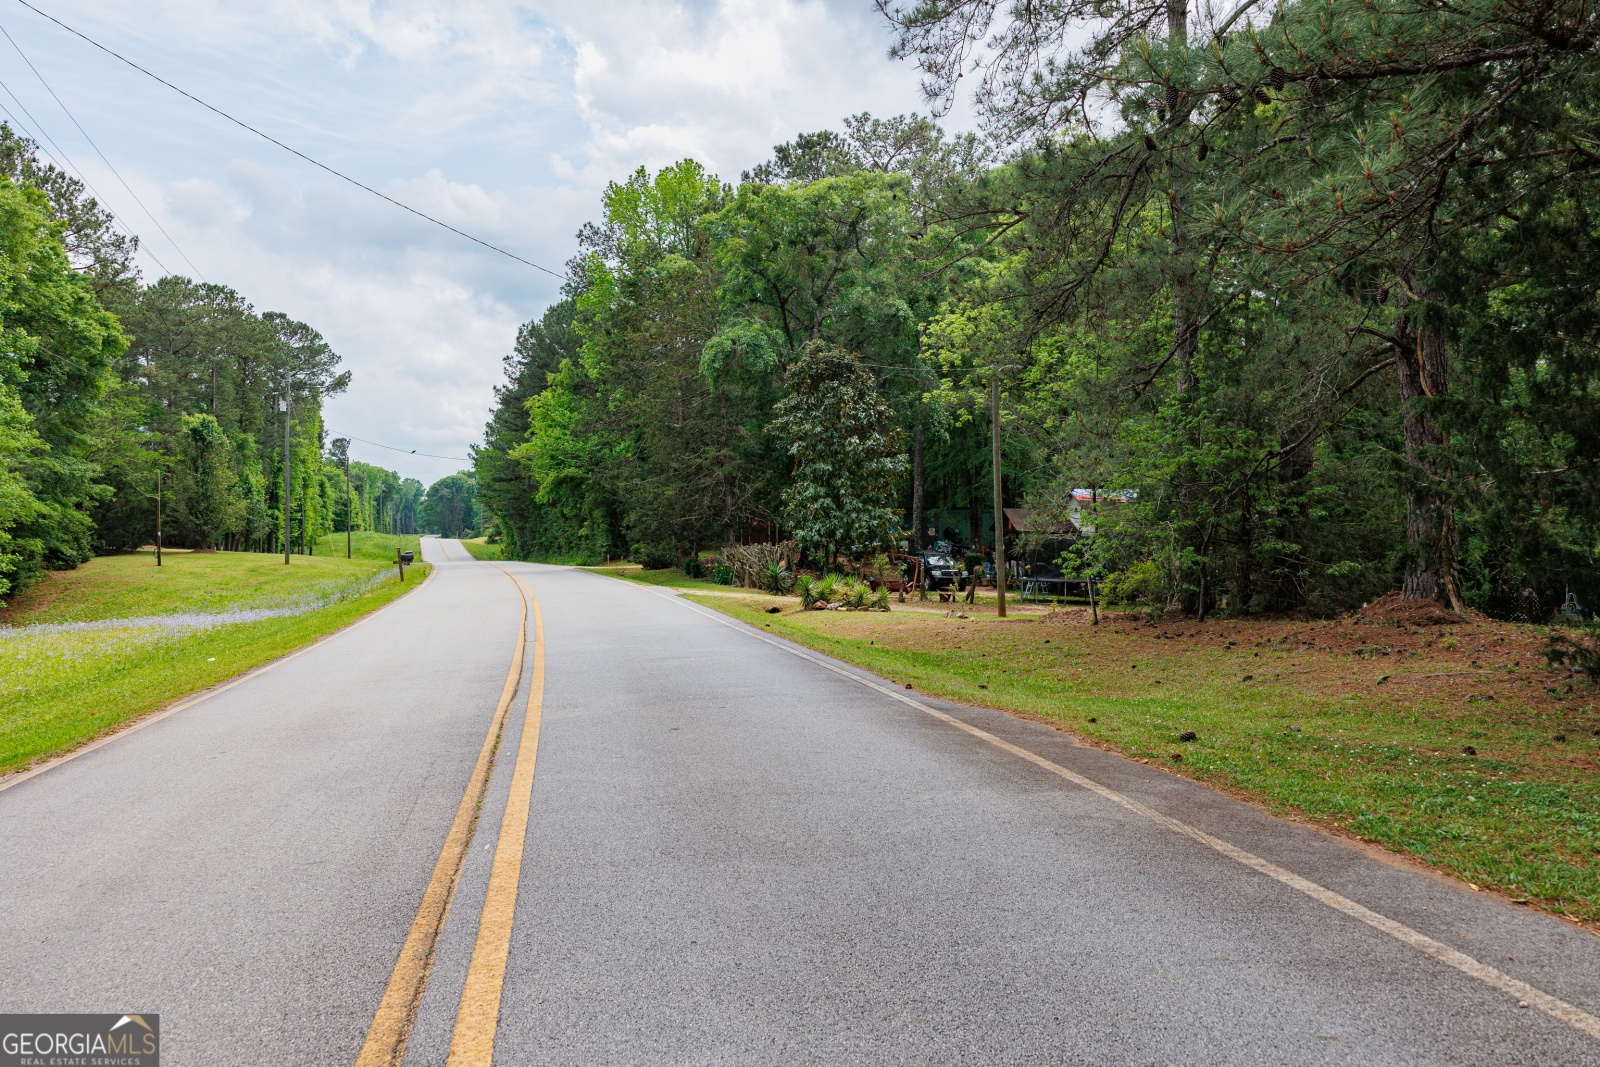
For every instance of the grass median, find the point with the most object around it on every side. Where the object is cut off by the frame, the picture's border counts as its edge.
(87, 651)
(1452, 744)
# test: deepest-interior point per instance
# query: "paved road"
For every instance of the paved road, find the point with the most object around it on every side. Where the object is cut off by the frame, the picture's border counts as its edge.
(732, 855)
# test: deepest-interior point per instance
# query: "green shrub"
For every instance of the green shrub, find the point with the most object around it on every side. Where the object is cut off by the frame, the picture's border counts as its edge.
(722, 574)
(693, 568)
(836, 590)
(776, 579)
(1139, 584)
(1577, 648)
(653, 557)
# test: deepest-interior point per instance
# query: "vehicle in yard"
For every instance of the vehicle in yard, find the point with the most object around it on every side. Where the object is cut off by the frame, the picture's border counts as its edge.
(939, 571)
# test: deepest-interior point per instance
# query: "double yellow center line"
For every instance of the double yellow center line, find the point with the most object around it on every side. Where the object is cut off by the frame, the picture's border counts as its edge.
(479, 1012)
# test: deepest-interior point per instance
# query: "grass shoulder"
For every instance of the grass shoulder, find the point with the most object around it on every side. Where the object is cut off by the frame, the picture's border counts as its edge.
(481, 549)
(365, 544)
(667, 577)
(89, 651)
(1459, 748)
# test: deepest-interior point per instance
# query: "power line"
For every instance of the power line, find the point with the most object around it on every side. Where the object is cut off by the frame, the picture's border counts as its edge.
(292, 151)
(102, 155)
(66, 166)
(406, 451)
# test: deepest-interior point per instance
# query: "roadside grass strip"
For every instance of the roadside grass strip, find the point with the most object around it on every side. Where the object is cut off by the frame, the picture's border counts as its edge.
(378, 547)
(481, 549)
(1526, 995)
(1324, 740)
(69, 680)
(669, 577)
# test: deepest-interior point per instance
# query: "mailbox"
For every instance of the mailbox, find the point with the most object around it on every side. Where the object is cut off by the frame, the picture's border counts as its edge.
(407, 557)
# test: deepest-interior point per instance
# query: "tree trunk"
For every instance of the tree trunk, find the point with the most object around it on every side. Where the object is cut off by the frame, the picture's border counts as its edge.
(974, 508)
(1291, 575)
(916, 488)
(1185, 309)
(1423, 366)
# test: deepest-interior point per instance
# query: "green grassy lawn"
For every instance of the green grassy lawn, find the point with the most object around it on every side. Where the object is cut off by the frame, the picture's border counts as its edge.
(481, 548)
(364, 545)
(62, 687)
(1361, 728)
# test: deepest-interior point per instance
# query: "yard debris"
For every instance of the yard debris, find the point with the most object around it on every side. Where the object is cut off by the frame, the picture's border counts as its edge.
(1392, 608)
(1188, 735)
(749, 563)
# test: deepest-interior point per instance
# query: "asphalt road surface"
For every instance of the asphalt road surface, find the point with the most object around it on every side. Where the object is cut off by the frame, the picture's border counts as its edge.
(725, 853)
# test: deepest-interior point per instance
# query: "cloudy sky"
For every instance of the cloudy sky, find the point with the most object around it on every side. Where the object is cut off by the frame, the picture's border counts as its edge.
(505, 119)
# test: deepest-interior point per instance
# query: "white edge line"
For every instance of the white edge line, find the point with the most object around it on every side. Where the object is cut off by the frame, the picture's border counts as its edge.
(150, 719)
(1552, 1006)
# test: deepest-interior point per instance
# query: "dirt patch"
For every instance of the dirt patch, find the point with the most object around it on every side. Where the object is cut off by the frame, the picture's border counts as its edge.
(1397, 611)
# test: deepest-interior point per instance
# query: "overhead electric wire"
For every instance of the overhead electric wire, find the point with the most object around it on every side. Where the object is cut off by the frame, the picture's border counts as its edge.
(292, 151)
(102, 155)
(406, 451)
(66, 166)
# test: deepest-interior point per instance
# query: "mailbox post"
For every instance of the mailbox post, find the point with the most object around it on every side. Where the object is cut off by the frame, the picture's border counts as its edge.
(401, 559)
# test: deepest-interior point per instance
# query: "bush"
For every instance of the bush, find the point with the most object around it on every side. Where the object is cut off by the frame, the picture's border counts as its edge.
(653, 557)
(837, 591)
(693, 568)
(722, 574)
(1139, 584)
(776, 580)
(1578, 648)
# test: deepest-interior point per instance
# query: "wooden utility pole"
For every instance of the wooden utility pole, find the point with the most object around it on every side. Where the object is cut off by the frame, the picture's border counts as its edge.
(288, 484)
(347, 506)
(999, 501)
(158, 516)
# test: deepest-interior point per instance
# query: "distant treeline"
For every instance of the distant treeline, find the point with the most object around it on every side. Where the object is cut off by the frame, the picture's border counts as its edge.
(114, 392)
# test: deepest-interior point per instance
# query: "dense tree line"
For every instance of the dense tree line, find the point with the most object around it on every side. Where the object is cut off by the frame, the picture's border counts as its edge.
(115, 393)
(1290, 306)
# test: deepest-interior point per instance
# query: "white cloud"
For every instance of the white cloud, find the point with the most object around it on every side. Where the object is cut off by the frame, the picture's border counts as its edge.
(502, 119)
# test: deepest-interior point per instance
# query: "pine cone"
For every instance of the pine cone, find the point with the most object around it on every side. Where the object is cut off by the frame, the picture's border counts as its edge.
(1172, 98)
(1229, 93)
(1150, 142)
(1313, 85)
(1202, 152)
(1278, 78)
(1261, 95)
